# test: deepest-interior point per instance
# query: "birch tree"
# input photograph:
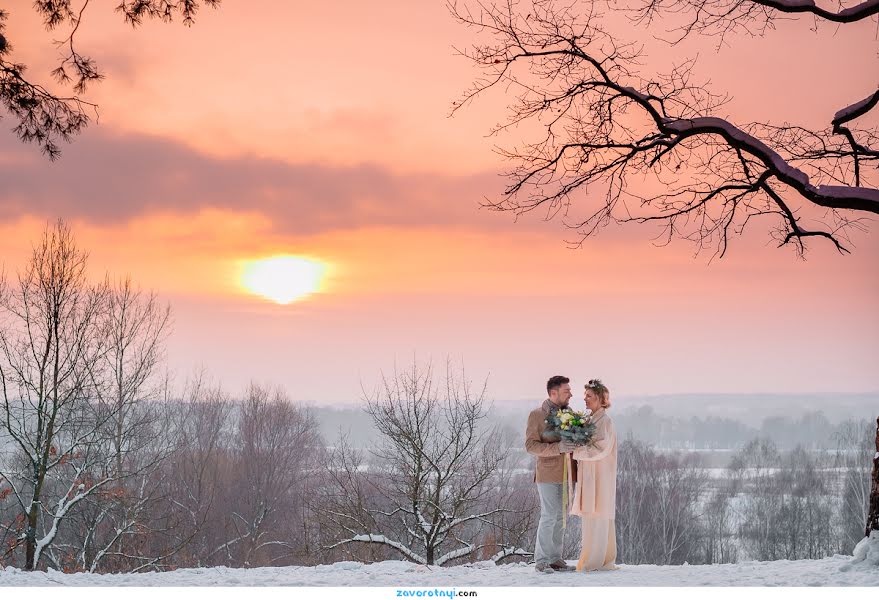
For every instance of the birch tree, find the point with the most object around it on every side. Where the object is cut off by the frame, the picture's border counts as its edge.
(633, 538)
(854, 450)
(657, 498)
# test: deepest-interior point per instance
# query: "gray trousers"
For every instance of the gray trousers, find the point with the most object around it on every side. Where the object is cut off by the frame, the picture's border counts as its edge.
(548, 546)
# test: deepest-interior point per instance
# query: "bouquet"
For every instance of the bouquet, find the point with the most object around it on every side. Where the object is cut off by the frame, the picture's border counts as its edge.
(572, 425)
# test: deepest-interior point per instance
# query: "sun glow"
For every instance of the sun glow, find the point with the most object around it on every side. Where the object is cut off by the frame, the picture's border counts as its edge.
(283, 279)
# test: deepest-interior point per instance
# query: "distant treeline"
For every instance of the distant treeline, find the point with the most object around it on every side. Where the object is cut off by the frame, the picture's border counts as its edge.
(809, 430)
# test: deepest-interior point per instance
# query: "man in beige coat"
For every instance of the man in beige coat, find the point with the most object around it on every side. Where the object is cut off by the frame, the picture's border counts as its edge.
(550, 453)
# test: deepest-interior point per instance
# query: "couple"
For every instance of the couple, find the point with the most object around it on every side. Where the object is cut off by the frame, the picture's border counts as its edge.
(592, 474)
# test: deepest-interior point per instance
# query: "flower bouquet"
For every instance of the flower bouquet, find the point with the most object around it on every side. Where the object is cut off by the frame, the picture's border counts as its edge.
(571, 425)
(574, 426)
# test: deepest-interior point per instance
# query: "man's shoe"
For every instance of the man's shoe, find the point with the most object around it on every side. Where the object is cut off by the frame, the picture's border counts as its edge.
(561, 565)
(543, 568)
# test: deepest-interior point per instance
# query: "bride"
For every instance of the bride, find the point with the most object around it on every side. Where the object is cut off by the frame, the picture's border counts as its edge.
(595, 492)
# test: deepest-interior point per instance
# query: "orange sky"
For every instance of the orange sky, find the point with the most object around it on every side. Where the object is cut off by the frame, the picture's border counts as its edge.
(273, 128)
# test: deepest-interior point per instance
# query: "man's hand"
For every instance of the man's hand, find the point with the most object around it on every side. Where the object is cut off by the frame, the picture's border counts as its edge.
(566, 446)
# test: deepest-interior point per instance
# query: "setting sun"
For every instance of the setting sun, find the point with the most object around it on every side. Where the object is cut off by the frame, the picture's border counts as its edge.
(283, 279)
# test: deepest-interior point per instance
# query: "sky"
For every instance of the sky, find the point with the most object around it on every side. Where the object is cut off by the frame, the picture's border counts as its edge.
(322, 130)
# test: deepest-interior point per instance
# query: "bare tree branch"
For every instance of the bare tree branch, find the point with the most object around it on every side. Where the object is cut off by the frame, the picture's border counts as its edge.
(604, 124)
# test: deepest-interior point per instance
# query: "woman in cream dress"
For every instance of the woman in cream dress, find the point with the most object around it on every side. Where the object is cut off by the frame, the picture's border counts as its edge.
(595, 491)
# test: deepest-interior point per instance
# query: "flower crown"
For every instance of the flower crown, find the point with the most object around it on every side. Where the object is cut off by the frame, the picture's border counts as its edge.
(594, 384)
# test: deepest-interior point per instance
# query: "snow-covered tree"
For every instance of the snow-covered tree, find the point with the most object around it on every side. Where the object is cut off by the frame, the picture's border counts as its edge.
(134, 325)
(430, 493)
(611, 143)
(53, 416)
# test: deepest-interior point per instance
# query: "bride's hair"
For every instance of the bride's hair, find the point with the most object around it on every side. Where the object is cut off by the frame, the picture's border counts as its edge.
(600, 390)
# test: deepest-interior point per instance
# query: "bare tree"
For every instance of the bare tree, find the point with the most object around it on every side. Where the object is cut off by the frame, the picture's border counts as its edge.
(135, 326)
(633, 538)
(197, 471)
(50, 349)
(514, 490)
(605, 125)
(434, 468)
(854, 449)
(807, 497)
(754, 468)
(276, 446)
(718, 527)
(346, 503)
(657, 505)
(787, 502)
(677, 485)
(44, 116)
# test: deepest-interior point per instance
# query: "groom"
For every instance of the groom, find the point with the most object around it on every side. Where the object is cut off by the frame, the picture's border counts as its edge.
(550, 453)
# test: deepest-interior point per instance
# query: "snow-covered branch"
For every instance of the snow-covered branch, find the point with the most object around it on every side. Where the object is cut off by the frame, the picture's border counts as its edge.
(852, 14)
(75, 494)
(371, 538)
(702, 177)
(436, 463)
(480, 517)
(858, 109)
(830, 196)
(510, 551)
(466, 550)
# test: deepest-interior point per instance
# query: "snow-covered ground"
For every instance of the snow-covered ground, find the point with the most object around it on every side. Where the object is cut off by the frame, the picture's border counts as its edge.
(835, 571)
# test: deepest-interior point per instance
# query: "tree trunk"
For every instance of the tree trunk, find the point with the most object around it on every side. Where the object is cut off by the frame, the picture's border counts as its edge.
(873, 512)
(31, 537)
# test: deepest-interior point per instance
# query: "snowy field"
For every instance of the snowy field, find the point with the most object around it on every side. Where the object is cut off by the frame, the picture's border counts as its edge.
(835, 571)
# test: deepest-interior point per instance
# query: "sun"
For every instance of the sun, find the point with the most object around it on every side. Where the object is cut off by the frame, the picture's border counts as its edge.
(283, 279)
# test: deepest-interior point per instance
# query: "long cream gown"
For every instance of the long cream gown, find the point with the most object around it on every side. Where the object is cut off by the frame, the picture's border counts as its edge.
(595, 496)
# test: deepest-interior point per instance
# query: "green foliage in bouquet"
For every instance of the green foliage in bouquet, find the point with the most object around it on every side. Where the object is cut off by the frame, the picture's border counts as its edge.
(571, 425)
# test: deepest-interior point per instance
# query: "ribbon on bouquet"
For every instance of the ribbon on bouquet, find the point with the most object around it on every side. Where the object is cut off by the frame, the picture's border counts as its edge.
(567, 485)
(565, 491)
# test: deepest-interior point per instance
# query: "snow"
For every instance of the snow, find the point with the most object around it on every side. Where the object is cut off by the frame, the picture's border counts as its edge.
(637, 94)
(756, 147)
(866, 553)
(862, 7)
(834, 571)
(843, 191)
(380, 539)
(846, 113)
(772, 158)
